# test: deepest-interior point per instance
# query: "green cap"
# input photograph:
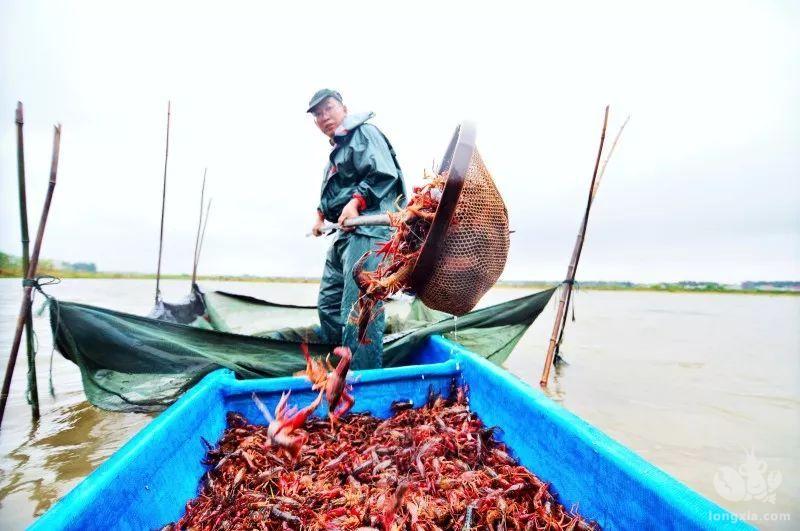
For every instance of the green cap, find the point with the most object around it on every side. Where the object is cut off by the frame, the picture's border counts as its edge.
(320, 96)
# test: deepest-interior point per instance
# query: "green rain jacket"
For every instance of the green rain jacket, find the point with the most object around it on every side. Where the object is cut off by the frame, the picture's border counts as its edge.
(362, 161)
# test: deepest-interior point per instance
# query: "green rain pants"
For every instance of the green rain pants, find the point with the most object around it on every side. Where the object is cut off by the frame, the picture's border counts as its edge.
(338, 294)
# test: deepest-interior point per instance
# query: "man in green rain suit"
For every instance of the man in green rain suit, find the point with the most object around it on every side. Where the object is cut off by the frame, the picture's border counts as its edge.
(362, 177)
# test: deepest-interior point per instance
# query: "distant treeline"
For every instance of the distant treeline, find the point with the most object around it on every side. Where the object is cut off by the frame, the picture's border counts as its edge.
(777, 284)
(11, 266)
(750, 286)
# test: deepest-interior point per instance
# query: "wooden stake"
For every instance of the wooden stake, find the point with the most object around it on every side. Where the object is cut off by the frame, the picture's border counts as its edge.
(31, 273)
(199, 224)
(163, 203)
(573, 265)
(23, 224)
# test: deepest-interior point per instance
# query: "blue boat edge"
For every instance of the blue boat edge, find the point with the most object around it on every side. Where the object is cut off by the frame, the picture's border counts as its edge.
(160, 467)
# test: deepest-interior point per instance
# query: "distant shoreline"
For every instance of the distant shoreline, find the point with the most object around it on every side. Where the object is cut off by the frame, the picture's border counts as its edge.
(667, 289)
(590, 286)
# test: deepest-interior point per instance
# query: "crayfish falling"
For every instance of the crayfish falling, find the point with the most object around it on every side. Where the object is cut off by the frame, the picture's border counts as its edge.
(398, 255)
(283, 430)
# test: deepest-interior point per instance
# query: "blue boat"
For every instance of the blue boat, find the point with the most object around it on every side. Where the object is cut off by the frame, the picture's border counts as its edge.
(147, 483)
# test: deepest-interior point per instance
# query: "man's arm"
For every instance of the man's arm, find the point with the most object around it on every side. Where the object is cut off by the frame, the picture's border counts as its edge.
(316, 230)
(374, 162)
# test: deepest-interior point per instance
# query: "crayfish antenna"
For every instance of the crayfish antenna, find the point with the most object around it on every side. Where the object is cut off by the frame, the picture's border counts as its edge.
(262, 408)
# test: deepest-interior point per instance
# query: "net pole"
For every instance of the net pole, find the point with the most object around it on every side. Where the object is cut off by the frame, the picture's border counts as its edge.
(199, 224)
(583, 229)
(23, 224)
(163, 203)
(203, 234)
(573, 264)
(34, 263)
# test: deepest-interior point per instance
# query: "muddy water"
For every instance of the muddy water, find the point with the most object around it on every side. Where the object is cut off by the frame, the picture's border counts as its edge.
(691, 382)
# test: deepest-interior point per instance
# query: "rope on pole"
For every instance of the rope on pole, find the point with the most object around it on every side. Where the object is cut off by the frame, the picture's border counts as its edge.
(31, 273)
(583, 230)
(573, 265)
(33, 390)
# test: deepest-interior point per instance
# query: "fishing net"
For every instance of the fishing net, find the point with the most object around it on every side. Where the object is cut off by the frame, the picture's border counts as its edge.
(134, 363)
(188, 311)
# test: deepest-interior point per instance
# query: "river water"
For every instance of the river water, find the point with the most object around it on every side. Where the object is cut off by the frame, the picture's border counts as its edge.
(691, 382)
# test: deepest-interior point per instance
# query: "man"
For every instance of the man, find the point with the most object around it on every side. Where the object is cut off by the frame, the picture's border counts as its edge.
(362, 177)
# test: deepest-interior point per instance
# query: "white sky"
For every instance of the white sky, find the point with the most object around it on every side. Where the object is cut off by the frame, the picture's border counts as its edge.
(704, 185)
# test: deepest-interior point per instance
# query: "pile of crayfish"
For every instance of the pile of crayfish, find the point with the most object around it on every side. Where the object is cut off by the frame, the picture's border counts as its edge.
(432, 468)
(398, 255)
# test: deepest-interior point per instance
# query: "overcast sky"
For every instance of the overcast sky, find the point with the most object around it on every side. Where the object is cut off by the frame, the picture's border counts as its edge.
(704, 185)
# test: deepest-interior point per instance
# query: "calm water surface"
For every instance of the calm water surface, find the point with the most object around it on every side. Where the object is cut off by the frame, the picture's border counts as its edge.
(691, 382)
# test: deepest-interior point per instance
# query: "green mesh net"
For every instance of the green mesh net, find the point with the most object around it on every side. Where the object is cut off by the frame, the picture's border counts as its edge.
(135, 363)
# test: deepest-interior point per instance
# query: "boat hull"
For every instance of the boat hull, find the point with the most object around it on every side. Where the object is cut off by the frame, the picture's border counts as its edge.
(147, 483)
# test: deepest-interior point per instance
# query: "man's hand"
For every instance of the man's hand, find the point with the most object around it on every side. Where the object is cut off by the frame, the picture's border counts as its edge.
(316, 230)
(350, 211)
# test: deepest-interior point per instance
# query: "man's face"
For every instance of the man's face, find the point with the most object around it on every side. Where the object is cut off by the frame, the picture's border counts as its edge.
(328, 115)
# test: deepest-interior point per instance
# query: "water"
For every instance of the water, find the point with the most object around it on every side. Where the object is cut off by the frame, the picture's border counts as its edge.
(689, 381)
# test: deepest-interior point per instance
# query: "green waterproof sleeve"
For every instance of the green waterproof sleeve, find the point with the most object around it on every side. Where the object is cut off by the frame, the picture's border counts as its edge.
(373, 159)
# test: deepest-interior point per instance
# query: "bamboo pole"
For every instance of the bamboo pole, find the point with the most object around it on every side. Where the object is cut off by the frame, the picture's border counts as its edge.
(608, 157)
(163, 203)
(203, 235)
(31, 273)
(23, 224)
(583, 229)
(199, 224)
(573, 264)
